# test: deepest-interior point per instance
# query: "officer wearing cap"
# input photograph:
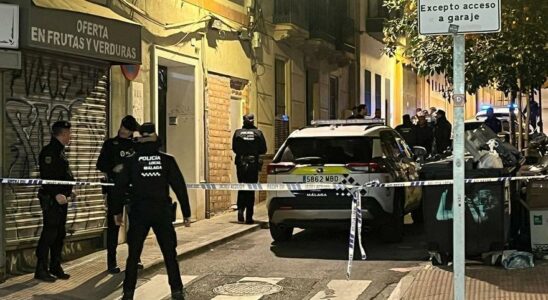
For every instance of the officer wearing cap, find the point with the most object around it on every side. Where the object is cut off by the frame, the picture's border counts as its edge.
(110, 161)
(247, 143)
(147, 176)
(54, 165)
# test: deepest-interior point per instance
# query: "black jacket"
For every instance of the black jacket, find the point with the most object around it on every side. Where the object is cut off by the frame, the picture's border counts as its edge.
(114, 151)
(442, 135)
(425, 137)
(494, 123)
(248, 140)
(409, 133)
(54, 165)
(147, 176)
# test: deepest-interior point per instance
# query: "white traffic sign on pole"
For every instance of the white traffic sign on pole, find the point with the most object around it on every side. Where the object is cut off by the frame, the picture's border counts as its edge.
(457, 17)
(472, 16)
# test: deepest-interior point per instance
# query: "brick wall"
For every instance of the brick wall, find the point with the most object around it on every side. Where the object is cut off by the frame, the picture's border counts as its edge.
(220, 139)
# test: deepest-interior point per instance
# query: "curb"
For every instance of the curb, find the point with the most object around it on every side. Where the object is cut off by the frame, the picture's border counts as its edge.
(202, 248)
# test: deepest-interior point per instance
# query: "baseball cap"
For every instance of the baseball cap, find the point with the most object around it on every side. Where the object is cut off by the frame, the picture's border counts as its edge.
(147, 129)
(130, 123)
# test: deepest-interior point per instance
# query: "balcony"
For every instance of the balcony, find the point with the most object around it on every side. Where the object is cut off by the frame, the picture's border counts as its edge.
(291, 20)
(376, 15)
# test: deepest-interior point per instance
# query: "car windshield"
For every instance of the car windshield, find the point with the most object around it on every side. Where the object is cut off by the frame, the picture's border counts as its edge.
(336, 150)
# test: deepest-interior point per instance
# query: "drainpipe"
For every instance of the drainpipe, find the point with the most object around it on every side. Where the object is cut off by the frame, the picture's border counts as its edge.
(206, 115)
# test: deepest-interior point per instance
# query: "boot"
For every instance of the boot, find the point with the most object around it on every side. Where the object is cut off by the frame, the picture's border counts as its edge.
(140, 265)
(241, 216)
(112, 267)
(58, 272)
(42, 273)
(128, 295)
(178, 295)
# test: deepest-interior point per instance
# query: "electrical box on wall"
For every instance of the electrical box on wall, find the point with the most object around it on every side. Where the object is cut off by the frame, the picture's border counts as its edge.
(173, 120)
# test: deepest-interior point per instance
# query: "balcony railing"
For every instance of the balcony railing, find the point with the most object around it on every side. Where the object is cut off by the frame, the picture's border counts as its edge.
(376, 15)
(291, 12)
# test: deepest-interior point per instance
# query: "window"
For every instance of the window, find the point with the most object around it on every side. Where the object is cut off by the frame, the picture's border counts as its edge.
(378, 91)
(311, 85)
(279, 93)
(333, 97)
(391, 148)
(367, 88)
(375, 9)
(334, 150)
(387, 99)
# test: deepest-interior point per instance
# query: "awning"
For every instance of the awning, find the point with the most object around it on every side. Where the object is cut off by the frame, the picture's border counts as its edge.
(80, 28)
(82, 6)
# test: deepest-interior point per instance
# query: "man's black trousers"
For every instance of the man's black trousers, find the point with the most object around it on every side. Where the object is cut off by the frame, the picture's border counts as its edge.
(52, 236)
(112, 240)
(158, 216)
(246, 199)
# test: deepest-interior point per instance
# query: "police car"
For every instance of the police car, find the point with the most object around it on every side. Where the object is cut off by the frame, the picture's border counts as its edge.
(350, 152)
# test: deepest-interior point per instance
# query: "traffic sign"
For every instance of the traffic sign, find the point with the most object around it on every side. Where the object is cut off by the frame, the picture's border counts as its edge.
(471, 16)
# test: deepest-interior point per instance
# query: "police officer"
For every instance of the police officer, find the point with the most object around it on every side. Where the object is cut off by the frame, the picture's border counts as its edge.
(113, 153)
(53, 201)
(150, 173)
(248, 143)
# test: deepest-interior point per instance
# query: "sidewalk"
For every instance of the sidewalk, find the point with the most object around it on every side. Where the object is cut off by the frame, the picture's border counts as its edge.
(482, 282)
(89, 279)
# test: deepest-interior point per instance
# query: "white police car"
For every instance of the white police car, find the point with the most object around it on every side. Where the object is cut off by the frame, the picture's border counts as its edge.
(349, 152)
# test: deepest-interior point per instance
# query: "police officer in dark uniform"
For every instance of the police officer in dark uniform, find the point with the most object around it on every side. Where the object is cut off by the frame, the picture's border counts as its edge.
(150, 173)
(54, 201)
(248, 143)
(113, 153)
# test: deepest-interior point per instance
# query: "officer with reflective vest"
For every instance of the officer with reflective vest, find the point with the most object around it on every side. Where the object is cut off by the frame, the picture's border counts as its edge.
(147, 177)
(248, 144)
(113, 153)
(54, 200)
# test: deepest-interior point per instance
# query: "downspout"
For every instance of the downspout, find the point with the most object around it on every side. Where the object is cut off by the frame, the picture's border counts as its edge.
(540, 124)
(357, 50)
(206, 116)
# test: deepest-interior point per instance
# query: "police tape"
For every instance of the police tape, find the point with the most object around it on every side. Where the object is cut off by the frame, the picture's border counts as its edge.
(37, 181)
(355, 220)
(284, 186)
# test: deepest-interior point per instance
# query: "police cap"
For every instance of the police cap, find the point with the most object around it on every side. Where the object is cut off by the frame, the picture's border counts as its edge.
(249, 117)
(60, 125)
(129, 123)
(147, 129)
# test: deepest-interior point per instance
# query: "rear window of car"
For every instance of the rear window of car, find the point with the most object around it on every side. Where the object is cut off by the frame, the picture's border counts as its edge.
(332, 150)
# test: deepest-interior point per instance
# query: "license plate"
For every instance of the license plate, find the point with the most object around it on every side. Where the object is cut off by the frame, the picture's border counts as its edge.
(321, 178)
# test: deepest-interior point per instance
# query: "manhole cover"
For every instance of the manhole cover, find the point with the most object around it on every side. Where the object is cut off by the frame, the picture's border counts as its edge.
(247, 288)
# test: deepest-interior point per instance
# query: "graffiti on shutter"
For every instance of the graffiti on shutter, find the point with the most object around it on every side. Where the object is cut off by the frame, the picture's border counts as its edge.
(47, 89)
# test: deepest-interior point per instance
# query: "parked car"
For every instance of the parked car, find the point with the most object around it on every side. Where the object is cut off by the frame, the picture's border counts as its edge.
(503, 114)
(347, 152)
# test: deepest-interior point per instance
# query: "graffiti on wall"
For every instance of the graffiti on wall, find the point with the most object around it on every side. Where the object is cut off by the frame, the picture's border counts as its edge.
(44, 91)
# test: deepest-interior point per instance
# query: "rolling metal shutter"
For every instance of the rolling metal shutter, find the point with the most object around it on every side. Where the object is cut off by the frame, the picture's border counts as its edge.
(46, 89)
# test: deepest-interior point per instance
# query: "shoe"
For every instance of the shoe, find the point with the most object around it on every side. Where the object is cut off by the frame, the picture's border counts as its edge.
(59, 273)
(177, 296)
(44, 276)
(250, 221)
(128, 295)
(140, 266)
(240, 217)
(114, 270)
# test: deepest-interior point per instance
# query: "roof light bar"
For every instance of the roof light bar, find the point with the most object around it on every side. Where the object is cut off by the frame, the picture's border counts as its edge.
(368, 121)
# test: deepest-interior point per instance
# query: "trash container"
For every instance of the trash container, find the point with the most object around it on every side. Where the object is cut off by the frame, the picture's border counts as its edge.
(486, 212)
(538, 213)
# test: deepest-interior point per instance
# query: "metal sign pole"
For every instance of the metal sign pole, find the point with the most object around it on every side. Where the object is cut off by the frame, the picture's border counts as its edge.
(458, 168)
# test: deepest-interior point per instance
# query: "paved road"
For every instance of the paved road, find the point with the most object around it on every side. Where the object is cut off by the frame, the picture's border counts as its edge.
(311, 266)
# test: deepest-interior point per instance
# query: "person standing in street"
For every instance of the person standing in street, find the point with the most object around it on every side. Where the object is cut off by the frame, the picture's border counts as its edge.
(147, 176)
(442, 132)
(425, 134)
(408, 131)
(535, 111)
(54, 200)
(113, 153)
(248, 144)
(492, 121)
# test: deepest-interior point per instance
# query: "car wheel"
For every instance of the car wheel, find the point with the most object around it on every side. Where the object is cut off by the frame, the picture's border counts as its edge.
(280, 233)
(392, 231)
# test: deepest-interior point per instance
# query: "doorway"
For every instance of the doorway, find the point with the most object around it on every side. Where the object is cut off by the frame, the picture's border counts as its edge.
(177, 92)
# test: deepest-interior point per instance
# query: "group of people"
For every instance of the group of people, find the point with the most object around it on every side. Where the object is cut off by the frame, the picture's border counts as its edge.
(360, 112)
(430, 130)
(142, 177)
